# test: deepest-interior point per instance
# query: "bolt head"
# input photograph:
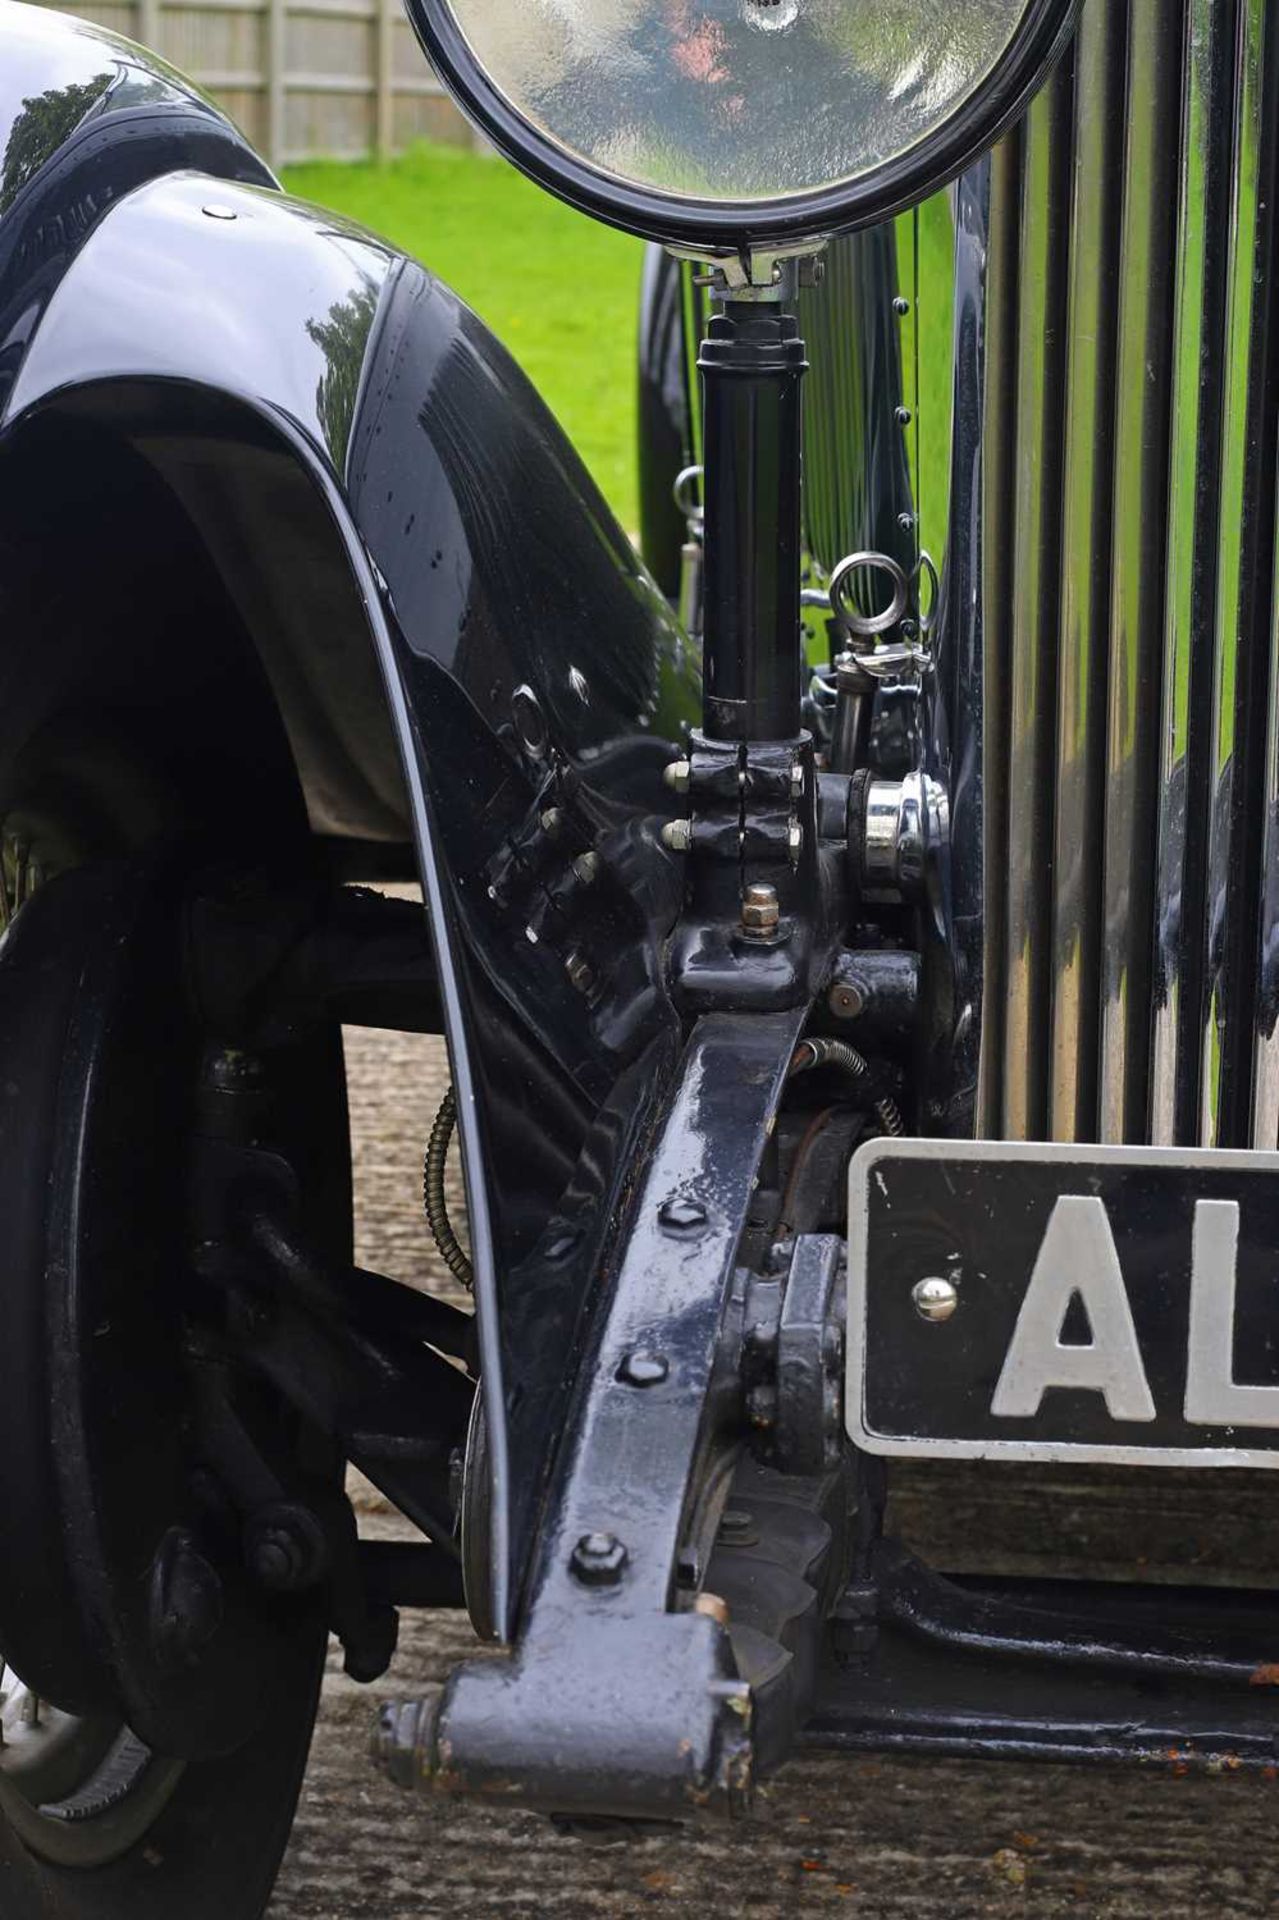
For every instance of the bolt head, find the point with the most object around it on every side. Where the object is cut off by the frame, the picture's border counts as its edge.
(231, 1070)
(677, 775)
(761, 912)
(274, 1564)
(737, 1528)
(935, 1298)
(680, 1215)
(644, 1368)
(846, 1002)
(551, 819)
(587, 867)
(599, 1559)
(580, 974)
(285, 1548)
(677, 835)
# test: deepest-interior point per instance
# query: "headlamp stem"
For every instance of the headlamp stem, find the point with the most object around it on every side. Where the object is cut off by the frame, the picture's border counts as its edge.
(752, 363)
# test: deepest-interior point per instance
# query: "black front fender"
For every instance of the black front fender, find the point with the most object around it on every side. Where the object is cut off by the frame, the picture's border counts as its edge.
(463, 647)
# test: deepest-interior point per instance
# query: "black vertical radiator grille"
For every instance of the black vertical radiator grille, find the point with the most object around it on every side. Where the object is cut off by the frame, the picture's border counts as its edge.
(1130, 644)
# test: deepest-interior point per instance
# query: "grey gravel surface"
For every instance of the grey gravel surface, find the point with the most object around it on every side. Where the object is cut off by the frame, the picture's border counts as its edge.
(941, 1839)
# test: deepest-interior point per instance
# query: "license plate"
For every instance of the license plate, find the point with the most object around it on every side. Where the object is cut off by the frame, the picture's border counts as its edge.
(1044, 1302)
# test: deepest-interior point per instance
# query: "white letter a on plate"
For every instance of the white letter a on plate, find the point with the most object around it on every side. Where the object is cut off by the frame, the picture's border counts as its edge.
(1077, 1257)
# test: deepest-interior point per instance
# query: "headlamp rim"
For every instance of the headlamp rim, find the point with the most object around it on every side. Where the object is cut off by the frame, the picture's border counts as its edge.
(719, 226)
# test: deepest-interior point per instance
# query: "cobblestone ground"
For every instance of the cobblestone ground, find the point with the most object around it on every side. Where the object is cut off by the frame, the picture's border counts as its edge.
(944, 1839)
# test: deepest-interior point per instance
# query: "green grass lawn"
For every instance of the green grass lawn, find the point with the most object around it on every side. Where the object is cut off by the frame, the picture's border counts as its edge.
(561, 291)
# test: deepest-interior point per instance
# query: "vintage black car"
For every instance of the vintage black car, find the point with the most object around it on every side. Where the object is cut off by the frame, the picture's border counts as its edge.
(855, 929)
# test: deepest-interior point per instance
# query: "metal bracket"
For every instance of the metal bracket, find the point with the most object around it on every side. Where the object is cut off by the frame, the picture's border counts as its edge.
(759, 273)
(620, 1696)
(784, 1344)
(752, 824)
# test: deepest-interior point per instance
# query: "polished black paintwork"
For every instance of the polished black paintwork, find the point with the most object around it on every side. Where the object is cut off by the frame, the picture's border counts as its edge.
(545, 726)
(84, 118)
(463, 649)
(955, 1680)
(619, 1701)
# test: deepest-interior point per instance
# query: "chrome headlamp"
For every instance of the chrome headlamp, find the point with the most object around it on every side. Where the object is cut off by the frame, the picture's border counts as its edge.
(720, 124)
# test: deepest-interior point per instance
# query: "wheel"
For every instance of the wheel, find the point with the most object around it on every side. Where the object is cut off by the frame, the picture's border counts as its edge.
(157, 1691)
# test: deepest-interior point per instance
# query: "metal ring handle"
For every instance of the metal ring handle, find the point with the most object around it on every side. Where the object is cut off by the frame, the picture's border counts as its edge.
(687, 485)
(867, 624)
(926, 565)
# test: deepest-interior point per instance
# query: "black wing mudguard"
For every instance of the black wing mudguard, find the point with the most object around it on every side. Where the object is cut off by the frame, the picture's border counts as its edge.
(462, 647)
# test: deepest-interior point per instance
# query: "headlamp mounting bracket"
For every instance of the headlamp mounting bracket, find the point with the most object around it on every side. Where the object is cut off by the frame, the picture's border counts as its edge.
(758, 273)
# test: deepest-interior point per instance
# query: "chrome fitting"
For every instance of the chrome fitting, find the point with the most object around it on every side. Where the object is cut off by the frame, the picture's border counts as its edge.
(403, 1740)
(903, 825)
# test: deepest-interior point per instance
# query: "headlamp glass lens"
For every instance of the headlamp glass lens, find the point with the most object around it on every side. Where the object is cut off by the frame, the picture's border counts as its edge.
(737, 100)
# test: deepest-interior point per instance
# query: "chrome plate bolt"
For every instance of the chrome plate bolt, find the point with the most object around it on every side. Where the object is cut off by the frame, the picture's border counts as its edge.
(935, 1299)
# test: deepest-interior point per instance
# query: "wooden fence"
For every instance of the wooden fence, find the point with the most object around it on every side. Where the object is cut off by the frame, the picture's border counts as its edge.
(305, 79)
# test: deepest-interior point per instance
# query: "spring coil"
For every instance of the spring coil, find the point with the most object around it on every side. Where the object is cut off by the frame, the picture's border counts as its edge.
(433, 1196)
(838, 1053)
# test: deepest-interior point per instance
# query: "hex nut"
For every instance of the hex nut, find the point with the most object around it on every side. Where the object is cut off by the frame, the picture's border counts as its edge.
(598, 1559)
(677, 774)
(737, 1528)
(677, 836)
(761, 912)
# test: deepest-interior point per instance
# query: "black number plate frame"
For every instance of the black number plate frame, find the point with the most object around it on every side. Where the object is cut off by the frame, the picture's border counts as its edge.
(1203, 1305)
